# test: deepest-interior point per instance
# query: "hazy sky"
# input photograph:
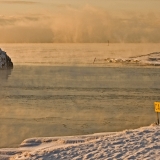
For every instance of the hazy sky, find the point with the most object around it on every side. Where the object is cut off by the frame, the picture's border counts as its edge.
(79, 20)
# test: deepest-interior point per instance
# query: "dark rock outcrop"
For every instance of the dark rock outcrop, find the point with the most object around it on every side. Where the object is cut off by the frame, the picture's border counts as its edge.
(5, 61)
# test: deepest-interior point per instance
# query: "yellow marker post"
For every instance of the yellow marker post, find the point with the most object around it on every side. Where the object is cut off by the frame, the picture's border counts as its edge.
(157, 109)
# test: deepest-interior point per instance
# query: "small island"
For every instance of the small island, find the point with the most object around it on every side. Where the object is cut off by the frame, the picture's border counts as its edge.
(5, 61)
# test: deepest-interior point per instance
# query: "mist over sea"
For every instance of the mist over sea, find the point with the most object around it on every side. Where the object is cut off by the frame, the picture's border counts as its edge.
(57, 90)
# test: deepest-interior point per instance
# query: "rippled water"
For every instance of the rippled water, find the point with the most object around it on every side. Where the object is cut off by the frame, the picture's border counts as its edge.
(54, 100)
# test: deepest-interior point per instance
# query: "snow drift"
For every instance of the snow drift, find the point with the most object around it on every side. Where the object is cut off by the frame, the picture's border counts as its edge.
(142, 143)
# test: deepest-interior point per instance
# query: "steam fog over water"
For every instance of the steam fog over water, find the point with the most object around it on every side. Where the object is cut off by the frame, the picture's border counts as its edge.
(138, 21)
(55, 89)
(81, 54)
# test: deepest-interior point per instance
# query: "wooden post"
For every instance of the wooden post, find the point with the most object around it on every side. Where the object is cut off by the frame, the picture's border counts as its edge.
(157, 118)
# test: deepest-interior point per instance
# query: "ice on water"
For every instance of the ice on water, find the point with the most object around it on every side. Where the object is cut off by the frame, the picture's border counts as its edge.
(83, 54)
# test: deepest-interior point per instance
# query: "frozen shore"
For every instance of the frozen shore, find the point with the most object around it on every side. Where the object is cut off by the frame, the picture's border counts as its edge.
(151, 59)
(142, 143)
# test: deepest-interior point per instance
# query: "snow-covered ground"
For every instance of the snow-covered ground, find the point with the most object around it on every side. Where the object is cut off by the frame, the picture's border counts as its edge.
(142, 143)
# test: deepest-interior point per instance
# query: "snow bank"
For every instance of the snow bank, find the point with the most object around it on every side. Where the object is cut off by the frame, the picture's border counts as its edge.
(142, 143)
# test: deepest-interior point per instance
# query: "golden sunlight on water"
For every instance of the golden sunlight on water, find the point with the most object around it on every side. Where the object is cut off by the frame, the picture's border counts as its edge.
(54, 101)
(51, 100)
(74, 54)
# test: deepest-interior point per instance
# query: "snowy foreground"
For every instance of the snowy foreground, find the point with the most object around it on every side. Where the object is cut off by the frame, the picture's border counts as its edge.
(142, 143)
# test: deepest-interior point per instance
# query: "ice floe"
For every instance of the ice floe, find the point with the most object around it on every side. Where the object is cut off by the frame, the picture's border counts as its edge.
(148, 59)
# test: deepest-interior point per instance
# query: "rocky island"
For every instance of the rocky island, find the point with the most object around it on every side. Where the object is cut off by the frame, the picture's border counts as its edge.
(5, 61)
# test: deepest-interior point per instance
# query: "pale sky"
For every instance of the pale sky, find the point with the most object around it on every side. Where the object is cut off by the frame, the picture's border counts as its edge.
(79, 21)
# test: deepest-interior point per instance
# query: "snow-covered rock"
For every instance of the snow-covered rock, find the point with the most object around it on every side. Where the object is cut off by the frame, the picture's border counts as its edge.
(5, 61)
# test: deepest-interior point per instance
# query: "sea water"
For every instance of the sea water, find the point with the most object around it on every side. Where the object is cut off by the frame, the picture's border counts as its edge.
(57, 90)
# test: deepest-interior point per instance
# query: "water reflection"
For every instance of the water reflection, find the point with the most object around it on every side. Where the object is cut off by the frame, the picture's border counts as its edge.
(51, 101)
(4, 74)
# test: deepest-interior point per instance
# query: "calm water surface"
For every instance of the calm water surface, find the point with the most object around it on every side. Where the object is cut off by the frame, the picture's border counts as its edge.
(47, 100)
